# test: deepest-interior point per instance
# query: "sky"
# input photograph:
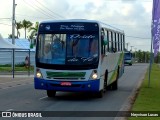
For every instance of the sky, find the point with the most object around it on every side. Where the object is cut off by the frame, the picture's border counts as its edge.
(132, 16)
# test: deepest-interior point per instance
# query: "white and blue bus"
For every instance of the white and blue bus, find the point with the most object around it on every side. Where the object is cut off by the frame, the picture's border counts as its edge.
(128, 58)
(78, 56)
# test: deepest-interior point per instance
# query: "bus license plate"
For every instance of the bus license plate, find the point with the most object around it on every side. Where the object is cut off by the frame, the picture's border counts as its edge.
(66, 84)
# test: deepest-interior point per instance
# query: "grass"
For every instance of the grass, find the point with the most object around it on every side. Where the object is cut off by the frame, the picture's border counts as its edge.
(18, 67)
(9, 69)
(148, 98)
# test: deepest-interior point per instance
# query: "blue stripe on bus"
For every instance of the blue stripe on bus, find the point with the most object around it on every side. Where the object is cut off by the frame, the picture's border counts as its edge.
(77, 86)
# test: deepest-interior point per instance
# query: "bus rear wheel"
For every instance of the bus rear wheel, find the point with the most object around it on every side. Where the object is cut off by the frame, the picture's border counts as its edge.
(51, 93)
(115, 85)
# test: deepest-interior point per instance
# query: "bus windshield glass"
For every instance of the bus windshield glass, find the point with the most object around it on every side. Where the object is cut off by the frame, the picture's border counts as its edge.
(79, 48)
(128, 55)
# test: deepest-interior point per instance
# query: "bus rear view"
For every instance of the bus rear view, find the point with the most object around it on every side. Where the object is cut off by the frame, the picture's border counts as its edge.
(128, 58)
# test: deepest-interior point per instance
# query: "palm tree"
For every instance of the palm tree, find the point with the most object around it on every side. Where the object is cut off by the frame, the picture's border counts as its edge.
(26, 24)
(18, 26)
(10, 36)
(33, 30)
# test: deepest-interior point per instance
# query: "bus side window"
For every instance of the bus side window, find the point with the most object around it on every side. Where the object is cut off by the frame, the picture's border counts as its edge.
(109, 41)
(102, 41)
(118, 43)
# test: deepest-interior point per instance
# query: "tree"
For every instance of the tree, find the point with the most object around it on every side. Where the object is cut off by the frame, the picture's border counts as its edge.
(26, 24)
(10, 36)
(33, 30)
(139, 55)
(18, 26)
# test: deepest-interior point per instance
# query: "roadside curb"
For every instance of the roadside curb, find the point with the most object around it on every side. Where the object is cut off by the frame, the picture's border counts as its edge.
(127, 106)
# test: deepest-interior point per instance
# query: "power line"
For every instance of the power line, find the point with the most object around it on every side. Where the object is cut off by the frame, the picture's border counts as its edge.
(5, 18)
(127, 1)
(30, 16)
(131, 25)
(112, 27)
(141, 45)
(115, 24)
(137, 37)
(5, 24)
(49, 9)
(40, 10)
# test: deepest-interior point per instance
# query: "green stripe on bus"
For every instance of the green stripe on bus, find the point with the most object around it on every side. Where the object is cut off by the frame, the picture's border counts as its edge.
(65, 74)
(114, 73)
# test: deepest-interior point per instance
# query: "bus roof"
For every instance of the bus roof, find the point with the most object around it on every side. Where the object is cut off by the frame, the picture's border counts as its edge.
(103, 25)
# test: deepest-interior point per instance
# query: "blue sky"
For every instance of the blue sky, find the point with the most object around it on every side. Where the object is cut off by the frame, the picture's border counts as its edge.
(132, 16)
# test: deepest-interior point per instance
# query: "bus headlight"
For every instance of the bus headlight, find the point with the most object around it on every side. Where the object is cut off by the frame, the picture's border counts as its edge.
(94, 76)
(38, 73)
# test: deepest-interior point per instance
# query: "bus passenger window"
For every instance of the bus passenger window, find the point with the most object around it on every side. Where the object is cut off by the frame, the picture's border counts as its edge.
(109, 41)
(102, 41)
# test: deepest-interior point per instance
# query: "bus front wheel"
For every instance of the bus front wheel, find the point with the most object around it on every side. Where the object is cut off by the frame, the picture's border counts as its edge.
(51, 93)
(100, 94)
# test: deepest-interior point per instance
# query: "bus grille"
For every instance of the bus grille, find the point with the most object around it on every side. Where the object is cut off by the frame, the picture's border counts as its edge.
(66, 78)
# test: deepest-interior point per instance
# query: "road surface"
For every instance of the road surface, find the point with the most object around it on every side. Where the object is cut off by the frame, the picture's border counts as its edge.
(19, 95)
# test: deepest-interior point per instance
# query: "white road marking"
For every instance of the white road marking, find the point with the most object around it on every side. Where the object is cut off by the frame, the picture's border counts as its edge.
(9, 110)
(43, 97)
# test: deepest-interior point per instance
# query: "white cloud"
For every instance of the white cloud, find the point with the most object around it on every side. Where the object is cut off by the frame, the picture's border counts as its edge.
(134, 17)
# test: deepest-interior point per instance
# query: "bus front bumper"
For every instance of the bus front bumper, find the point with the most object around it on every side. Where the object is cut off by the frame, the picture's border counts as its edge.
(75, 86)
(128, 62)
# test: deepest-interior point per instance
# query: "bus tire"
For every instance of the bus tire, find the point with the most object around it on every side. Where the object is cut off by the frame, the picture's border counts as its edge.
(51, 93)
(115, 83)
(100, 94)
(105, 80)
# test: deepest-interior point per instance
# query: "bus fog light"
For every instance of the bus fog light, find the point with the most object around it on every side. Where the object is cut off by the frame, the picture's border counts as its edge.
(94, 76)
(89, 86)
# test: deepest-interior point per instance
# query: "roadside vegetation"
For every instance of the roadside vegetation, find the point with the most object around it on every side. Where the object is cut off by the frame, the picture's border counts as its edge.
(18, 67)
(29, 28)
(144, 57)
(148, 97)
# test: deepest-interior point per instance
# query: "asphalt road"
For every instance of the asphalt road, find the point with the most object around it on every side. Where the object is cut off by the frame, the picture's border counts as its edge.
(20, 95)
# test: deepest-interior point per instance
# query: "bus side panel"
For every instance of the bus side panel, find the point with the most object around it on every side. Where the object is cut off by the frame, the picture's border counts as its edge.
(111, 62)
(121, 70)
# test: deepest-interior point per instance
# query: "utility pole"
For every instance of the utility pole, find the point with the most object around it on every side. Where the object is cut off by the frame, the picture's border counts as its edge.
(13, 37)
(13, 23)
(131, 47)
(127, 45)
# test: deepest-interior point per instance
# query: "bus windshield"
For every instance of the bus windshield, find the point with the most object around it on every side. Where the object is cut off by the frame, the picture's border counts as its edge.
(128, 55)
(68, 48)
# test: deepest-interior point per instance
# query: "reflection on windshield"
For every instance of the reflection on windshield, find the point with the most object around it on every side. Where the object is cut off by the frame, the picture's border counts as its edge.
(81, 48)
(76, 49)
(128, 55)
